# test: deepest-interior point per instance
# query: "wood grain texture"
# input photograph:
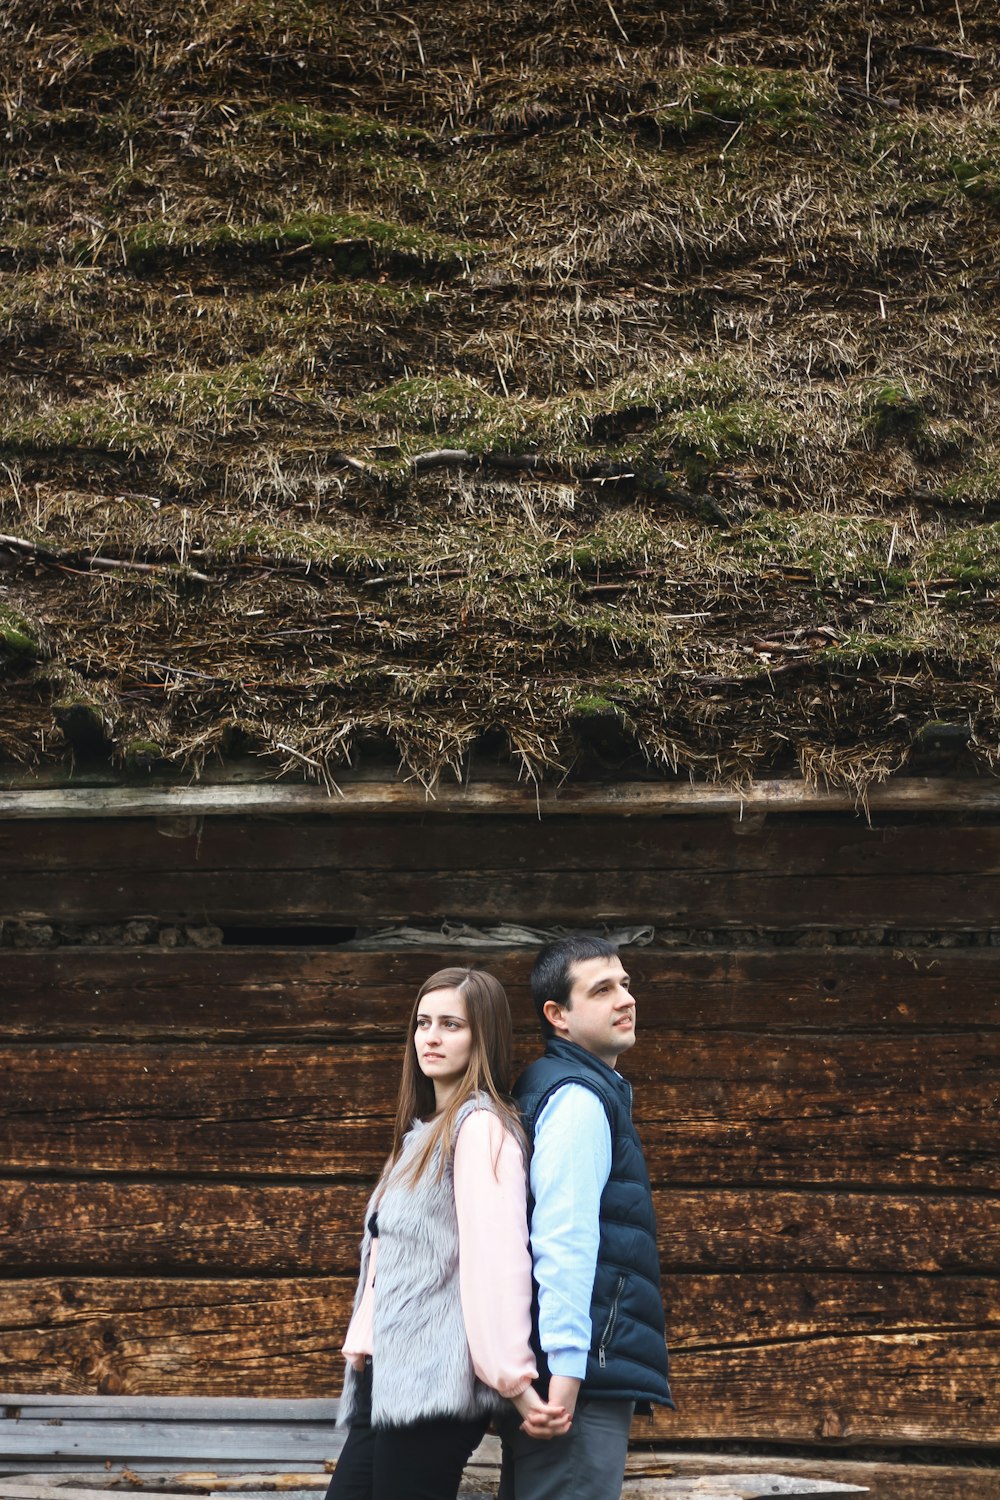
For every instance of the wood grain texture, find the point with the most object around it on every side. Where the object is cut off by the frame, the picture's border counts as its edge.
(148, 1228)
(645, 1471)
(904, 1480)
(315, 995)
(763, 1358)
(827, 845)
(855, 1111)
(349, 897)
(32, 796)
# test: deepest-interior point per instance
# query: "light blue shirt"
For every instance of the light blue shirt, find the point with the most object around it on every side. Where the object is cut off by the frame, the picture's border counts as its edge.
(570, 1167)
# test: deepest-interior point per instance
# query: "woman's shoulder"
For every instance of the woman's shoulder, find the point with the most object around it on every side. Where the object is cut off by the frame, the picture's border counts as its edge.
(484, 1111)
(481, 1122)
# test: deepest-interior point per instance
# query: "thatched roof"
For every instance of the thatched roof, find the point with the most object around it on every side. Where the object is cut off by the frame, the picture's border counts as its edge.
(474, 373)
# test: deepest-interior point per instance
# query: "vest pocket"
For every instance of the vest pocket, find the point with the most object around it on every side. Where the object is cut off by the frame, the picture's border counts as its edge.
(609, 1326)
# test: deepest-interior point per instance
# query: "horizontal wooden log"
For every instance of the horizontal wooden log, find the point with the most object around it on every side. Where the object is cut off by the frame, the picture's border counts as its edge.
(904, 1479)
(788, 1359)
(538, 898)
(316, 994)
(829, 845)
(18, 1406)
(855, 1111)
(210, 1228)
(194, 1442)
(646, 1472)
(30, 797)
(733, 1487)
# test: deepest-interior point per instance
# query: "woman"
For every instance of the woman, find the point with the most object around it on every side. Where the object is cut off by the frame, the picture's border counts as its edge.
(440, 1332)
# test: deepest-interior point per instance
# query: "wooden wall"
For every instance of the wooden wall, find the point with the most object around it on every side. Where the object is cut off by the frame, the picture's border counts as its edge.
(187, 1134)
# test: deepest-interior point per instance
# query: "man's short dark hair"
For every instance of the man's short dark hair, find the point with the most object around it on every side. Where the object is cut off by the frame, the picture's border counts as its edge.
(550, 974)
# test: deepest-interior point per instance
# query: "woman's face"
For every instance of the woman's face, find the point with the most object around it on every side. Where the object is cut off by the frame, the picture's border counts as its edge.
(443, 1037)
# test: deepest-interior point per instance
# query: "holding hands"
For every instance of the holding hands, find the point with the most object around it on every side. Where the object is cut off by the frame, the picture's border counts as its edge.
(541, 1419)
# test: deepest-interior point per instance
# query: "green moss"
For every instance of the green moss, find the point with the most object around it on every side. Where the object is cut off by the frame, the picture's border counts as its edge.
(86, 425)
(969, 556)
(704, 436)
(444, 405)
(318, 127)
(139, 754)
(721, 99)
(356, 243)
(635, 405)
(978, 485)
(592, 705)
(893, 410)
(979, 179)
(308, 544)
(18, 638)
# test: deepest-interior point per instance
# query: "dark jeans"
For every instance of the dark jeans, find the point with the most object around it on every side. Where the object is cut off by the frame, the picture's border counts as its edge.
(421, 1462)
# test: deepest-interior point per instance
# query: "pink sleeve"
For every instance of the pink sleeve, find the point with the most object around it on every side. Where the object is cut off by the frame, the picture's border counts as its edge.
(359, 1339)
(494, 1259)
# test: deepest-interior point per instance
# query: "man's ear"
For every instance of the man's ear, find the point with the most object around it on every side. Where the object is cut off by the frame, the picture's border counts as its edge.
(553, 1013)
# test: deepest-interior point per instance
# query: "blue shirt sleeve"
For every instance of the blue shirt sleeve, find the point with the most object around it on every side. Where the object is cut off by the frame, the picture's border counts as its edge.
(570, 1167)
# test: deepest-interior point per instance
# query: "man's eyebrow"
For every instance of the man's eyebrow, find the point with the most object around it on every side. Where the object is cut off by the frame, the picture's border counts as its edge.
(605, 979)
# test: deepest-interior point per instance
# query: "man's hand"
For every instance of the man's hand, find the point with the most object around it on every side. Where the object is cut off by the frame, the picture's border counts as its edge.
(563, 1391)
(541, 1419)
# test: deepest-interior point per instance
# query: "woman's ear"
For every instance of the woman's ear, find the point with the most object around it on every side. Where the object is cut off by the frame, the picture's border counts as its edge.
(553, 1013)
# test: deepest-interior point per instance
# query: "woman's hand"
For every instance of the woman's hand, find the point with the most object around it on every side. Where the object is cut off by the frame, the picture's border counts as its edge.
(540, 1419)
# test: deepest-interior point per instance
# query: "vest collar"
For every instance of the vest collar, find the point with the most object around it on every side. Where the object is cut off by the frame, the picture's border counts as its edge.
(586, 1061)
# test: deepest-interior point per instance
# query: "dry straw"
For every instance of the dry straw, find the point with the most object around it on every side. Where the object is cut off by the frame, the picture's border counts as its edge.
(597, 389)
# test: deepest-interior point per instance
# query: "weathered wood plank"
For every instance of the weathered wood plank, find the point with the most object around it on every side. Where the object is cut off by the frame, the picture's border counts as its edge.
(793, 1359)
(731, 1487)
(903, 1480)
(373, 898)
(868, 1112)
(645, 1472)
(22, 799)
(856, 1111)
(17, 1406)
(153, 1228)
(279, 1442)
(316, 994)
(831, 845)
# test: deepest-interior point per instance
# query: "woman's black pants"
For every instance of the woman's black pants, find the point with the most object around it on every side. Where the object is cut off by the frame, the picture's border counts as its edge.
(421, 1462)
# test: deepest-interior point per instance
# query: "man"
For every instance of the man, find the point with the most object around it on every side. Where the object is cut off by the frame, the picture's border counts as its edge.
(597, 1314)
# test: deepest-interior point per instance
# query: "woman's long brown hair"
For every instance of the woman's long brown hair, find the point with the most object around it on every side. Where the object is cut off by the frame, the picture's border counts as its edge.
(488, 1071)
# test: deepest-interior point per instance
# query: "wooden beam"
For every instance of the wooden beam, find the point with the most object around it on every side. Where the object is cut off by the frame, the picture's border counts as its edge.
(149, 1227)
(860, 1111)
(768, 1358)
(325, 995)
(615, 799)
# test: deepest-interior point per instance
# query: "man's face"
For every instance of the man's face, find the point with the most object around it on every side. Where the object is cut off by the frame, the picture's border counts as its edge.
(600, 1017)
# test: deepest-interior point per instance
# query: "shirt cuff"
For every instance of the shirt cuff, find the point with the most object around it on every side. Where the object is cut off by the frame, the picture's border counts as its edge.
(571, 1362)
(511, 1388)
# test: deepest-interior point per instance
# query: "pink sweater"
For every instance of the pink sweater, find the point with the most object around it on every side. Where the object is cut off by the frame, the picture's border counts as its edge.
(494, 1262)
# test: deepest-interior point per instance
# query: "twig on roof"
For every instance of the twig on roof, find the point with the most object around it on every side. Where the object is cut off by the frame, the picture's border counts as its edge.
(74, 562)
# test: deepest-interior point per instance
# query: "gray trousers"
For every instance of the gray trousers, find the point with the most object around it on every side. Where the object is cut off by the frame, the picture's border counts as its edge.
(587, 1464)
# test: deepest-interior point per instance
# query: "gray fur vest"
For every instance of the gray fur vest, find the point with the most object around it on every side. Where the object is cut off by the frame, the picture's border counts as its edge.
(421, 1367)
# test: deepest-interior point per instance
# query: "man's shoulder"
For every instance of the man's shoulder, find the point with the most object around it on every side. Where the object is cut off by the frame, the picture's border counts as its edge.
(558, 1069)
(573, 1101)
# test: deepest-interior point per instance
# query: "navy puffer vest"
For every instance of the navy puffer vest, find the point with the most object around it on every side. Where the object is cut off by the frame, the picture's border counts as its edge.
(628, 1351)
